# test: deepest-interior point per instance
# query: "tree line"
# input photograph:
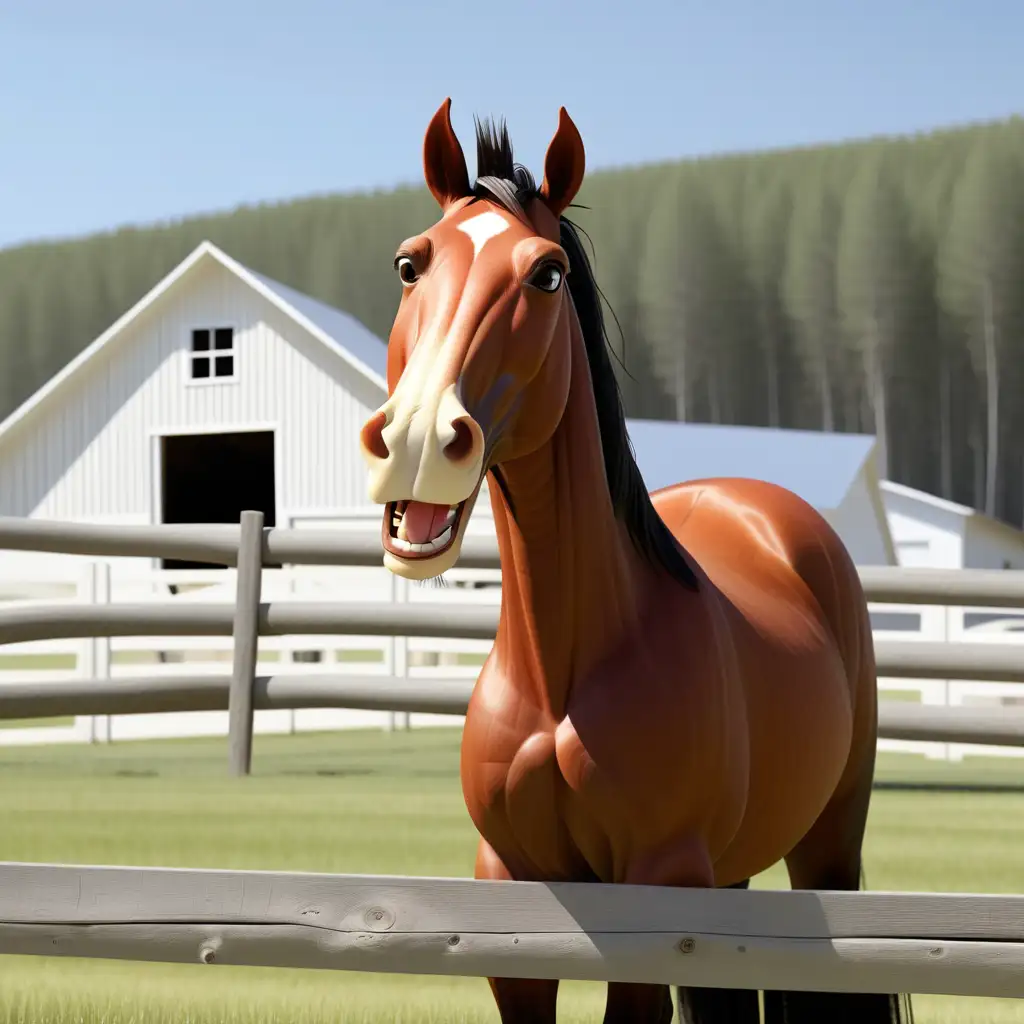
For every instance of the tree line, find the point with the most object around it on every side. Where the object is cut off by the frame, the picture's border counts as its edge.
(871, 286)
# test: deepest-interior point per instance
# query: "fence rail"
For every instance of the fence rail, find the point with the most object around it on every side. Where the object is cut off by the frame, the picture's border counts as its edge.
(219, 544)
(137, 696)
(851, 942)
(899, 658)
(278, 618)
(215, 543)
(251, 547)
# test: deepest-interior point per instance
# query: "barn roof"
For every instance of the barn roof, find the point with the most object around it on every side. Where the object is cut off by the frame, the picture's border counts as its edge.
(819, 467)
(347, 334)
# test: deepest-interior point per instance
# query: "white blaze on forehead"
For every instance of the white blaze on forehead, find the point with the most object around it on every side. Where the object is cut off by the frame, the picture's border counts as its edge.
(482, 228)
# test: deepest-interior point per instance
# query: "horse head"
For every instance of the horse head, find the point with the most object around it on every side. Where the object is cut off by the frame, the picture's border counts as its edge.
(479, 360)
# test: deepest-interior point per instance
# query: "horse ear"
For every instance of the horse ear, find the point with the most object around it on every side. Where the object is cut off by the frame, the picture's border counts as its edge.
(564, 165)
(444, 163)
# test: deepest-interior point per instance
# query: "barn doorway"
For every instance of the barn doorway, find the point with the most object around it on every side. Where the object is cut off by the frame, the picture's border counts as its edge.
(213, 478)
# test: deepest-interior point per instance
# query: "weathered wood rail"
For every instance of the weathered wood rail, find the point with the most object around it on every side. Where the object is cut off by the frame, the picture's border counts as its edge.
(831, 941)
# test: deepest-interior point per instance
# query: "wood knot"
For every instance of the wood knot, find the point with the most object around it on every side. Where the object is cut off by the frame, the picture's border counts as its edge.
(379, 919)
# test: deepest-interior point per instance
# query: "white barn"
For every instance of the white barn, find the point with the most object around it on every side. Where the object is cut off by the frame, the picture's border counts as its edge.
(222, 389)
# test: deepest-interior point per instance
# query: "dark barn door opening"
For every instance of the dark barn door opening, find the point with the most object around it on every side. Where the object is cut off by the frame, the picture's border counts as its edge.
(213, 478)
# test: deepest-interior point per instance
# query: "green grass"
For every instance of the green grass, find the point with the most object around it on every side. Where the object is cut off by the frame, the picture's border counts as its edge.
(36, 662)
(373, 802)
(35, 723)
(912, 696)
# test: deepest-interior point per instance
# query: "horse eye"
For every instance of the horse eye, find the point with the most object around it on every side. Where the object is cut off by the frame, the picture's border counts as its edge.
(547, 277)
(406, 270)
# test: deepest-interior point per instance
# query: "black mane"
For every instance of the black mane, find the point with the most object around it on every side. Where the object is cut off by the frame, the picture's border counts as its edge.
(501, 180)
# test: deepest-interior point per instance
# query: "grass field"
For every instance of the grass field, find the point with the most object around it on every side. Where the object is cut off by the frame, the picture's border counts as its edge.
(388, 803)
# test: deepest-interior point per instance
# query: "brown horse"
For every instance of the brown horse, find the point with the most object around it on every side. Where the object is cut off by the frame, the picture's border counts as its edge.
(682, 687)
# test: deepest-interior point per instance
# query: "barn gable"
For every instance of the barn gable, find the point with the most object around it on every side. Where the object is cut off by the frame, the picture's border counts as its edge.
(86, 445)
(340, 333)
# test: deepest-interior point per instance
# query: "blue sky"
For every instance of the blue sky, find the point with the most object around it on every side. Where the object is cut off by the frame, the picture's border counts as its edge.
(127, 111)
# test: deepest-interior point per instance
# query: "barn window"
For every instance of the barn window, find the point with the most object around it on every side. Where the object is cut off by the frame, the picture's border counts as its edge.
(213, 353)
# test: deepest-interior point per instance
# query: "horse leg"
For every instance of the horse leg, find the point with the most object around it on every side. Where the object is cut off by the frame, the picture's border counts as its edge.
(719, 1005)
(519, 1000)
(687, 864)
(638, 1004)
(829, 857)
(525, 1001)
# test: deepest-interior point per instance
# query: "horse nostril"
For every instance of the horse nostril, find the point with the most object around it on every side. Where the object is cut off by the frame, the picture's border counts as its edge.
(462, 444)
(372, 435)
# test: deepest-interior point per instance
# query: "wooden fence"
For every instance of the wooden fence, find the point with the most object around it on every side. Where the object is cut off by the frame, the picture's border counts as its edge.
(251, 547)
(831, 941)
(969, 945)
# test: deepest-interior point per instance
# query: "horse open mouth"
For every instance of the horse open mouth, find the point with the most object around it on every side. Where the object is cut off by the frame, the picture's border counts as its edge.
(419, 529)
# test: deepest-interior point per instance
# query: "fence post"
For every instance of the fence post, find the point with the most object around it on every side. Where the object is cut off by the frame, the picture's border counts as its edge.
(94, 660)
(101, 647)
(398, 661)
(246, 635)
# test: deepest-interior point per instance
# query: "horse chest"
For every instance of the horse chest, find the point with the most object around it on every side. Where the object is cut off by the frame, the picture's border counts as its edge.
(574, 799)
(524, 805)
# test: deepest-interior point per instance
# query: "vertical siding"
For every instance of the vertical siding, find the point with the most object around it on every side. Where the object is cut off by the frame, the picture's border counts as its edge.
(87, 452)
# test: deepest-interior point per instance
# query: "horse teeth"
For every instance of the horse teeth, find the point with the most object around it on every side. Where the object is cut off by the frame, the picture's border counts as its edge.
(403, 544)
(439, 541)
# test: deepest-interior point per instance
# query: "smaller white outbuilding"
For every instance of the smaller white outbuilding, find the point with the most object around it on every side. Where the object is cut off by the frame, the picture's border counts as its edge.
(937, 533)
(932, 532)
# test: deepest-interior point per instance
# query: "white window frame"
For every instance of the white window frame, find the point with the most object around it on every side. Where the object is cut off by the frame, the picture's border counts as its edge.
(212, 355)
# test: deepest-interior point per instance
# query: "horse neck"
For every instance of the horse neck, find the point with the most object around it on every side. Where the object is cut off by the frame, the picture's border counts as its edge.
(570, 574)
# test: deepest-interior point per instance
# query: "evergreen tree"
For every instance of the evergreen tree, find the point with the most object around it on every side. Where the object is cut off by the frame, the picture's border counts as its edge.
(616, 220)
(683, 291)
(19, 375)
(982, 267)
(933, 355)
(810, 286)
(766, 236)
(878, 294)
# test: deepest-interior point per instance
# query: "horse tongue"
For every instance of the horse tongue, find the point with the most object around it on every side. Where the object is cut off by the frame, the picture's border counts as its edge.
(423, 521)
